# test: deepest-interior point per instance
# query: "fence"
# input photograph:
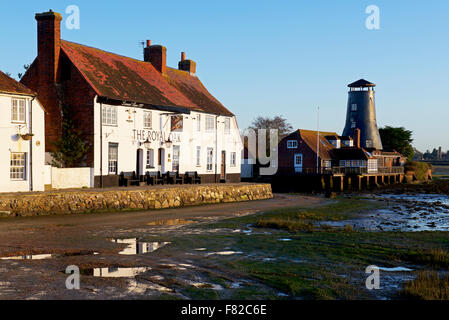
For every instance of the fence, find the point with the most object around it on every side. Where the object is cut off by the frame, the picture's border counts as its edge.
(353, 170)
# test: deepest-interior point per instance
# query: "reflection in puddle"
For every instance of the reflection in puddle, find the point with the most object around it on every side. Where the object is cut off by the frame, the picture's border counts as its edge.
(29, 257)
(225, 253)
(137, 247)
(113, 272)
(47, 256)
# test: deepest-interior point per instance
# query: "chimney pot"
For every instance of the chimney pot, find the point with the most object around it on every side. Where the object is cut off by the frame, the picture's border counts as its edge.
(49, 42)
(157, 56)
(183, 56)
(148, 43)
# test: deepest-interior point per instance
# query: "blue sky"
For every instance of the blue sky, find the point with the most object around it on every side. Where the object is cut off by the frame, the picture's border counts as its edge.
(276, 57)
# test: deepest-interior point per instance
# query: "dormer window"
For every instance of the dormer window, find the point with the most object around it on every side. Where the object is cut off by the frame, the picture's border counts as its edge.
(292, 144)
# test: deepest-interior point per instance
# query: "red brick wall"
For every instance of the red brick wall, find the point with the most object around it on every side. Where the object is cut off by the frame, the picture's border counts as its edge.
(79, 96)
(286, 156)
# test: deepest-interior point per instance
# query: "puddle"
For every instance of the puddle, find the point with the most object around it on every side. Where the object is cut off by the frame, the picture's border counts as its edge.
(280, 294)
(224, 253)
(269, 259)
(47, 256)
(396, 269)
(285, 239)
(405, 213)
(136, 247)
(113, 272)
(204, 285)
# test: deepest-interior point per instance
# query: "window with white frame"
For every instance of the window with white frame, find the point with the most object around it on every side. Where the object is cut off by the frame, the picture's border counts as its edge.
(292, 144)
(17, 166)
(198, 156)
(210, 157)
(150, 158)
(113, 158)
(233, 159)
(18, 110)
(298, 160)
(210, 123)
(109, 115)
(147, 120)
(198, 122)
(354, 107)
(227, 128)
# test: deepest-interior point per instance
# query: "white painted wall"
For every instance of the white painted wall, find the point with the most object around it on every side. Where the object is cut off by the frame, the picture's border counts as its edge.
(11, 142)
(71, 178)
(190, 138)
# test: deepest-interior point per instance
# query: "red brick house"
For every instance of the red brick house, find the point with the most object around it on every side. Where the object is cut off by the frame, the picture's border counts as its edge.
(337, 155)
(298, 152)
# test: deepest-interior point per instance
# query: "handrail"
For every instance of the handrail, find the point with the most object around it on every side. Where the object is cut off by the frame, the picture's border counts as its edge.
(353, 170)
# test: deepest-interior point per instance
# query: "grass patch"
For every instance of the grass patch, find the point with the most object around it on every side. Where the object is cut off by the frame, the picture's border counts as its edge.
(297, 219)
(436, 258)
(312, 265)
(427, 286)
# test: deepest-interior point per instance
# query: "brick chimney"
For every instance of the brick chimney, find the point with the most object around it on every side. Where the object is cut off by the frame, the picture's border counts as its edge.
(357, 138)
(156, 55)
(187, 65)
(48, 44)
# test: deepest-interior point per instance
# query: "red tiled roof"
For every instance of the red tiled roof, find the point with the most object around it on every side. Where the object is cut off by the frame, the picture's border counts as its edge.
(310, 137)
(125, 79)
(9, 85)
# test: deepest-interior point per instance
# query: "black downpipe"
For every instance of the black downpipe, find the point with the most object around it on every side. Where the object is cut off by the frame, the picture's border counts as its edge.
(101, 145)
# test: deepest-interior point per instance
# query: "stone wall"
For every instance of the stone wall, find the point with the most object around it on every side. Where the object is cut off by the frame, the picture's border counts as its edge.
(85, 201)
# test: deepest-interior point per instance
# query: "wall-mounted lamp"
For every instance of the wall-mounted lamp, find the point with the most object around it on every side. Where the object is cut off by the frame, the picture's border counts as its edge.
(147, 144)
(168, 143)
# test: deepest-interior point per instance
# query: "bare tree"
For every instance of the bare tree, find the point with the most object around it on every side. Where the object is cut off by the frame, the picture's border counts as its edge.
(277, 122)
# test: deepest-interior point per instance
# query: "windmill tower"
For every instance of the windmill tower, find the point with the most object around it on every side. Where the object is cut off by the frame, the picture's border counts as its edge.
(361, 114)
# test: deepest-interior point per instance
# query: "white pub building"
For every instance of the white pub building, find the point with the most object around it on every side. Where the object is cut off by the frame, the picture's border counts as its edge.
(136, 116)
(22, 143)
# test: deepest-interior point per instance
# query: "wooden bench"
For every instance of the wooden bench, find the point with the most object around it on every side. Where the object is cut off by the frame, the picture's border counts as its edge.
(128, 179)
(173, 177)
(154, 178)
(192, 177)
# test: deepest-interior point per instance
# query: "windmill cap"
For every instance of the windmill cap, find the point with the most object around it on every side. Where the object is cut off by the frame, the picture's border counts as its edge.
(362, 83)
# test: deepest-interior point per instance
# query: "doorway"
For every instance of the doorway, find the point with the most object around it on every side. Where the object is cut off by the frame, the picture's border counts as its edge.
(298, 162)
(139, 163)
(161, 160)
(176, 151)
(223, 166)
